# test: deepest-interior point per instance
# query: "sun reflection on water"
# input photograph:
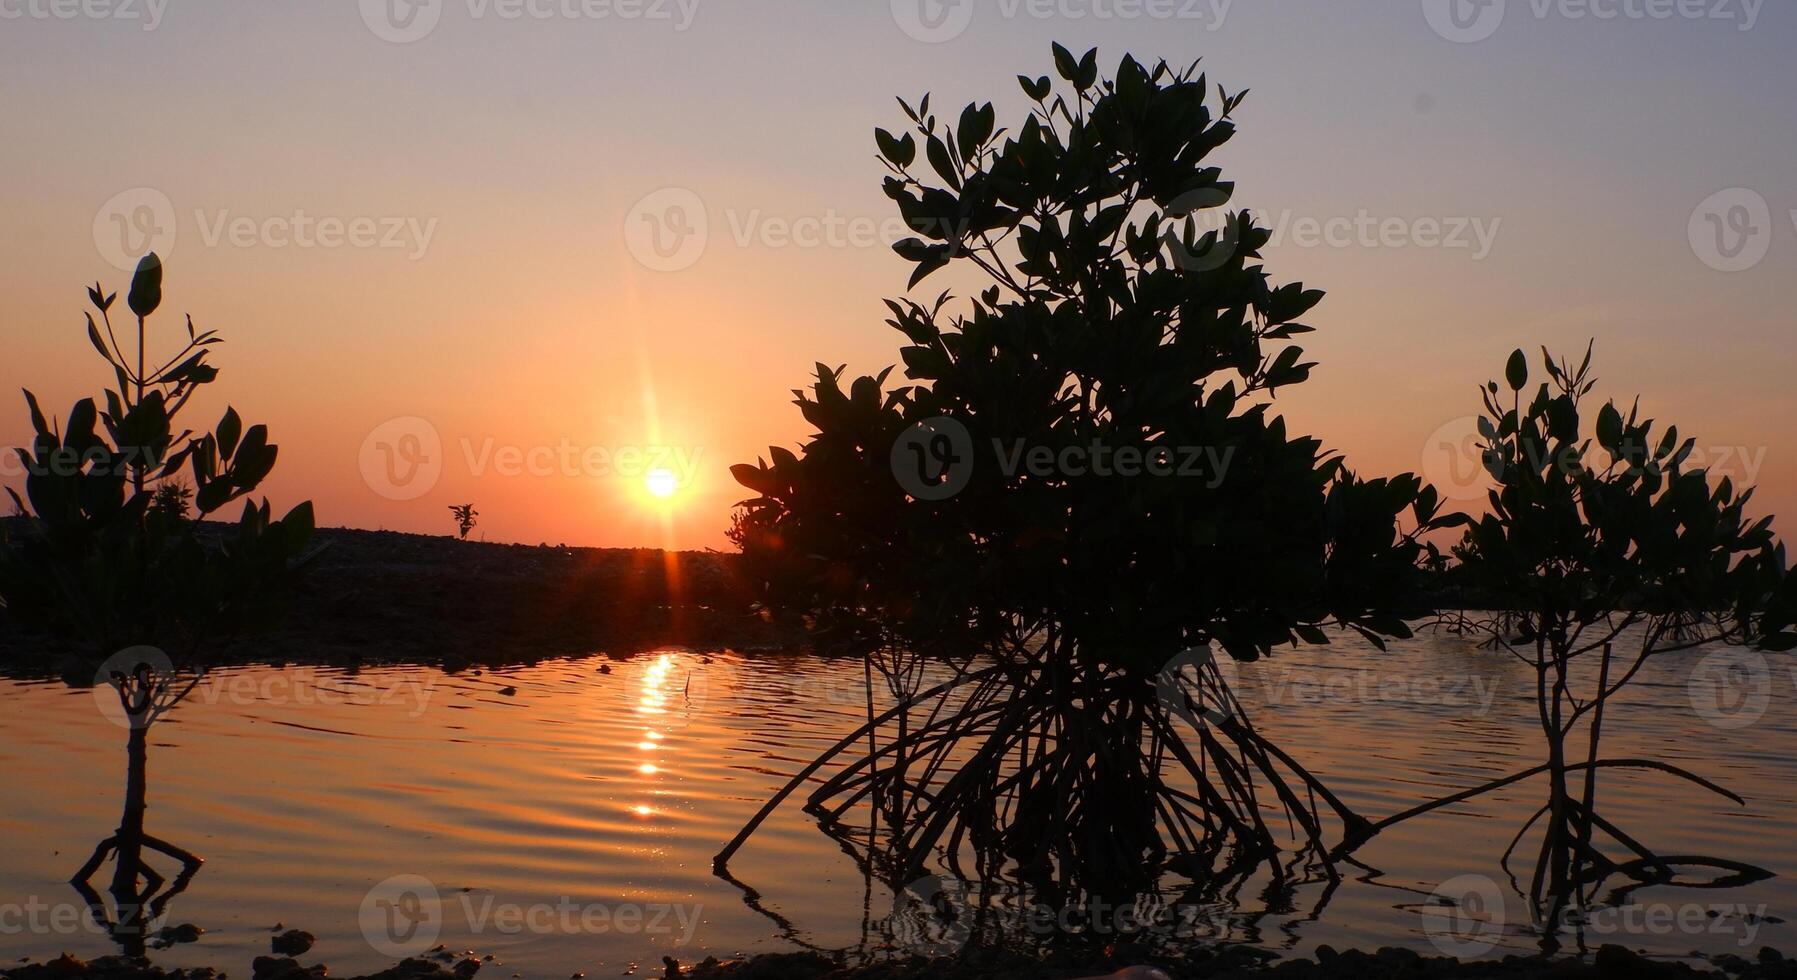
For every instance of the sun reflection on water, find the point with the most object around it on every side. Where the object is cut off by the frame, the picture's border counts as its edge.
(650, 703)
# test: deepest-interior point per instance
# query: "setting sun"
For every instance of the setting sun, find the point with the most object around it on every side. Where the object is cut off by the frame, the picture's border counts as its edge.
(662, 483)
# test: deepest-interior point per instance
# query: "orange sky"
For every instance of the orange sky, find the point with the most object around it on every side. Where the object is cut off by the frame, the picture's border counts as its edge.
(507, 293)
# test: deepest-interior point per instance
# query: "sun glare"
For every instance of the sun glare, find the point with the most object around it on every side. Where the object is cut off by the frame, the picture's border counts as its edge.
(662, 483)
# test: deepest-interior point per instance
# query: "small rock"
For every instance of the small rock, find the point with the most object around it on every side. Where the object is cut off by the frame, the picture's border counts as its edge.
(1626, 964)
(187, 933)
(293, 942)
(1397, 956)
(509, 692)
(278, 968)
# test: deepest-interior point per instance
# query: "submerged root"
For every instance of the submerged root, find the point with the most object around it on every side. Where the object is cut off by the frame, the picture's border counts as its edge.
(1081, 782)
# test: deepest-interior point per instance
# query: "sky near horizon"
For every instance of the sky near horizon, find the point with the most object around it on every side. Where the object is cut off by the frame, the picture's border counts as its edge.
(520, 252)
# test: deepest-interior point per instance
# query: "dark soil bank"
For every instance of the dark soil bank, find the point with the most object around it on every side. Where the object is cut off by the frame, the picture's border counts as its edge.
(374, 596)
(1609, 963)
(1235, 963)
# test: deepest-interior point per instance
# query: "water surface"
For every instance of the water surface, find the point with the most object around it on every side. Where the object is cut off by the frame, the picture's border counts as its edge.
(593, 801)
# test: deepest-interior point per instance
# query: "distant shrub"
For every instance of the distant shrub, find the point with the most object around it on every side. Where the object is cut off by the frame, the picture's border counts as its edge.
(465, 518)
(174, 499)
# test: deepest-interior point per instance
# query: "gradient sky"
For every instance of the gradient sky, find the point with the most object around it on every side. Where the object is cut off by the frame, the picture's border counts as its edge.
(1590, 144)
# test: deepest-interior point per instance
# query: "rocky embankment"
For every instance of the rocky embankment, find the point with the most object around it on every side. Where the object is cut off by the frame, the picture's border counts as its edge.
(1228, 963)
(381, 596)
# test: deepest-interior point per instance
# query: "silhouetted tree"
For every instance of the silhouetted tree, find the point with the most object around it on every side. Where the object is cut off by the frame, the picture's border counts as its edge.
(1602, 549)
(103, 556)
(97, 561)
(1080, 603)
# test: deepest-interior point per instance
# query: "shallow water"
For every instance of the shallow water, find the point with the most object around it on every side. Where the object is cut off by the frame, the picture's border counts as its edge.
(566, 818)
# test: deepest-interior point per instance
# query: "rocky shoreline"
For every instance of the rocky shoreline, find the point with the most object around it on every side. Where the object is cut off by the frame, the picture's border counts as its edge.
(1224, 963)
(376, 597)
